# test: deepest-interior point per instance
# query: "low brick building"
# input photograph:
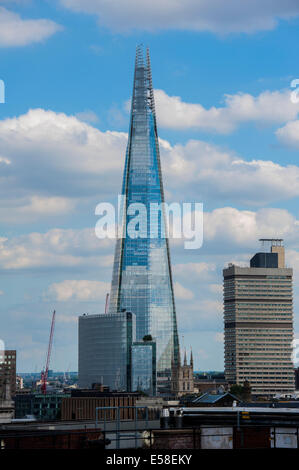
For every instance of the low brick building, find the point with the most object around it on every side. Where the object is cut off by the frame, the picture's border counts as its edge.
(84, 408)
(209, 385)
(50, 439)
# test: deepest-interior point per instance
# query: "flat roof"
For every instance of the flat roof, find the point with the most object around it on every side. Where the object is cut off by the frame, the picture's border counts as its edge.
(230, 409)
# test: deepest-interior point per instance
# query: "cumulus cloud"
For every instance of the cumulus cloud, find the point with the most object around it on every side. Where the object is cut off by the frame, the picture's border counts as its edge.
(216, 288)
(60, 141)
(289, 134)
(195, 270)
(55, 248)
(219, 337)
(203, 313)
(292, 260)
(216, 16)
(88, 116)
(66, 248)
(208, 171)
(231, 230)
(49, 160)
(32, 208)
(231, 226)
(16, 31)
(51, 163)
(182, 292)
(269, 107)
(80, 290)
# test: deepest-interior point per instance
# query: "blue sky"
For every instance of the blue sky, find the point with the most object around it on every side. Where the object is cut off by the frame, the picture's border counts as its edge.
(230, 139)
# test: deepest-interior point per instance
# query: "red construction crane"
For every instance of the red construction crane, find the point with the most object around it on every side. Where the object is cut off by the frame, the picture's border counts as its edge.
(44, 374)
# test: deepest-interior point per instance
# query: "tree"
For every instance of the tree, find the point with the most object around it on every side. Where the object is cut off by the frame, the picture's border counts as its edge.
(241, 391)
(237, 390)
(147, 338)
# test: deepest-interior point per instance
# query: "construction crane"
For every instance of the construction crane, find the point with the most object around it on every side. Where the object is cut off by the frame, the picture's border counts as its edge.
(44, 374)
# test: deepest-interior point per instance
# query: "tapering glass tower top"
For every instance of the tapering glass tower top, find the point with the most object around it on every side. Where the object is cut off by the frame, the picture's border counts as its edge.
(142, 280)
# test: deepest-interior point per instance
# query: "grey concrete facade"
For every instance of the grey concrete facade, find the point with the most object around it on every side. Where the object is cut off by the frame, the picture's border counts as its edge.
(258, 321)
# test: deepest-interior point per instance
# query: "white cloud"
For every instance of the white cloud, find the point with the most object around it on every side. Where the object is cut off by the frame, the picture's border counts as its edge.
(289, 134)
(267, 108)
(194, 270)
(55, 248)
(209, 172)
(216, 16)
(88, 116)
(230, 226)
(5, 161)
(51, 163)
(50, 205)
(60, 141)
(219, 337)
(16, 31)
(202, 313)
(81, 248)
(292, 260)
(80, 290)
(231, 230)
(1, 292)
(216, 288)
(182, 292)
(33, 208)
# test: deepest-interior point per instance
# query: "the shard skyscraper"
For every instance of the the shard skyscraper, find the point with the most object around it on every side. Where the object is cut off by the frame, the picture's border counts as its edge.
(142, 279)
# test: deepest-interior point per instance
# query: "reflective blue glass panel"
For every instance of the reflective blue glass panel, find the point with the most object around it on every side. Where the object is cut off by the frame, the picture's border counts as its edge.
(144, 368)
(142, 280)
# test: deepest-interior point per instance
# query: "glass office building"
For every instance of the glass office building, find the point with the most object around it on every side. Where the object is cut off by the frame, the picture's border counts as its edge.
(105, 350)
(144, 367)
(142, 279)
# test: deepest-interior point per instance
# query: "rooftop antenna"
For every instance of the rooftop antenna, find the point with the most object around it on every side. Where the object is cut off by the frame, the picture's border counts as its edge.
(271, 242)
(107, 303)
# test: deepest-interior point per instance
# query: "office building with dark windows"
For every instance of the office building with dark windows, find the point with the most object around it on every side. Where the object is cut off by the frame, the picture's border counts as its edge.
(105, 350)
(142, 278)
(258, 322)
(8, 361)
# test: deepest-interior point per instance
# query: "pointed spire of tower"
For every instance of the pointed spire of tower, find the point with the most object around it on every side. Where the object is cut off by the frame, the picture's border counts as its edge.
(139, 285)
(185, 358)
(191, 359)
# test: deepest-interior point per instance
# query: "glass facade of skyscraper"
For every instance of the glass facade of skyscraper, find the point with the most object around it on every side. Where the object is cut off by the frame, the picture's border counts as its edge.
(105, 350)
(142, 280)
(144, 367)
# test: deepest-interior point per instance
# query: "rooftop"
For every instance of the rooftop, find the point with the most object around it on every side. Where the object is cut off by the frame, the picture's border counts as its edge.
(213, 397)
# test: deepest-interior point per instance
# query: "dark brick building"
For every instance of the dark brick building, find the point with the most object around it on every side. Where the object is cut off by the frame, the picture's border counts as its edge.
(8, 361)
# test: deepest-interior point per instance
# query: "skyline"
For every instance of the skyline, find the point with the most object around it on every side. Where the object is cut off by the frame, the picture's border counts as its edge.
(66, 106)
